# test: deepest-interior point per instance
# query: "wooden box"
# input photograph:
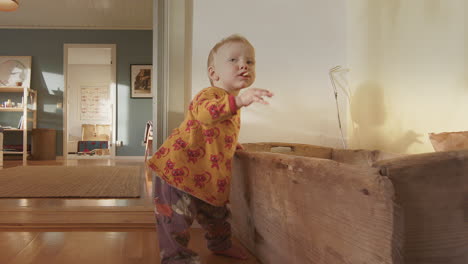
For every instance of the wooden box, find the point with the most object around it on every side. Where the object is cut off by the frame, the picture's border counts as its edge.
(312, 204)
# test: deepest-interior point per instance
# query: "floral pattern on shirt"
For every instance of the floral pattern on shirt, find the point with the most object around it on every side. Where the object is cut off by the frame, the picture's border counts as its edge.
(197, 157)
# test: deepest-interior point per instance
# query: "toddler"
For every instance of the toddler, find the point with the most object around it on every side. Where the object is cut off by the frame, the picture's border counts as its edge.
(194, 164)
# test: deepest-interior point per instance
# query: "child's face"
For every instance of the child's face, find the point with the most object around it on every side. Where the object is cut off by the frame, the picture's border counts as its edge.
(233, 67)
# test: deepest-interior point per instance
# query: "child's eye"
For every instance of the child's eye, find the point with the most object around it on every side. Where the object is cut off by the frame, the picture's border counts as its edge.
(232, 60)
(250, 62)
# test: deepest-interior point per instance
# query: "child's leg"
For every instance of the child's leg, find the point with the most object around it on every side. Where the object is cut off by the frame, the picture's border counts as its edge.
(218, 230)
(174, 216)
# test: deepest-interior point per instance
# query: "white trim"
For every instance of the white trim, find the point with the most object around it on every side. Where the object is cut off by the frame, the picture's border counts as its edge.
(113, 94)
(166, 66)
(160, 67)
(76, 27)
(130, 158)
(142, 158)
(94, 157)
(65, 103)
(112, 88)
(155, 72)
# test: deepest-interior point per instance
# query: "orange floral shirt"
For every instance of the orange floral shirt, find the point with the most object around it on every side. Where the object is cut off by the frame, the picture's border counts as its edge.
(197, 157)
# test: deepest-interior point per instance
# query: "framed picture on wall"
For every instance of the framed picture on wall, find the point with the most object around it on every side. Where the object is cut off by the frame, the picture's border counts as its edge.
(15, 71)
(141, 82)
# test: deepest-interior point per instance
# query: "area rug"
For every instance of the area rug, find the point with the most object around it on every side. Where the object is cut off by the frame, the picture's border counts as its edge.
(70, 182)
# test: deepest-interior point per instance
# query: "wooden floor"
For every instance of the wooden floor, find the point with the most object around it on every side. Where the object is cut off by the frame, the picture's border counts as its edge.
(114, 231)
(79, 213)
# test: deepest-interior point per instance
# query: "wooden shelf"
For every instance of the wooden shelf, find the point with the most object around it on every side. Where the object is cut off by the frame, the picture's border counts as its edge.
(14, 129)
(14, 89)
(14, 109)
(13, 152)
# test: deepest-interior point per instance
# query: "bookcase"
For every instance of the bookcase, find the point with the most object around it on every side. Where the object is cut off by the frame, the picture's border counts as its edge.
(28, 120)
(15, 80)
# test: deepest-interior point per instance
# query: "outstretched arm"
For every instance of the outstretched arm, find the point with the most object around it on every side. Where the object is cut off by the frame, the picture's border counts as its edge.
(252, 95)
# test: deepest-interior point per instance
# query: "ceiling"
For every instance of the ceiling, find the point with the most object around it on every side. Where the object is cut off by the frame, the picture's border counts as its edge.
(80, 14)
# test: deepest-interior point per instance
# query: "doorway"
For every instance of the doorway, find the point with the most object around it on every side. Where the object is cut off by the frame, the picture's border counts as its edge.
(89, 101)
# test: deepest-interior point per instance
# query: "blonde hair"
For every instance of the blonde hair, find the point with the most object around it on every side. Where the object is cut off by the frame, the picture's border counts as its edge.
(230, 39)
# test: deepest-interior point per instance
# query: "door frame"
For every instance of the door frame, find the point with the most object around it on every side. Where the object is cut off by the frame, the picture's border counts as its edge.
(113, 95)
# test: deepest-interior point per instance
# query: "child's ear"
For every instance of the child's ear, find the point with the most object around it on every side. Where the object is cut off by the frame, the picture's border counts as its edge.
(212, 73)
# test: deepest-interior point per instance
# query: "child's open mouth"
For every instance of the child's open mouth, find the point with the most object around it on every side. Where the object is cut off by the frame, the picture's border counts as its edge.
(245, 74)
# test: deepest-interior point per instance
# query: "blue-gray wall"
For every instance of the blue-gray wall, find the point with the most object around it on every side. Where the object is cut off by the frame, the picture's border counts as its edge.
(46, 48)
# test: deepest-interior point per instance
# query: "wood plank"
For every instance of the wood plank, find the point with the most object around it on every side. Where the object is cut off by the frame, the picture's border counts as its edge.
(14, 109)
(14, 129)
(13, 243)
(77, 219)
(298, 210)
(6, 152)
(361, 157)
(15, 89)
(90, 248)
(95, 247)
(291, 149)
(432, 189)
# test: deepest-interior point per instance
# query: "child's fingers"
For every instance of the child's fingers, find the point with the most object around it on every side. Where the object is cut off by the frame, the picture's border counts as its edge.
(267, 93)
(263, 92)
(259, 99)
(256, 95)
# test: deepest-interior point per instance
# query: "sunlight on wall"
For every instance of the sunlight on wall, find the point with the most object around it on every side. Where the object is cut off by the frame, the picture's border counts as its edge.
(49, 108)
(408, 72)
(123, 119)
(53, 82)
(297, 122)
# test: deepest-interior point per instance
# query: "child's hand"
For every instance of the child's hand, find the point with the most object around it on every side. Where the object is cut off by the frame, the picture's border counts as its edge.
(252, 95)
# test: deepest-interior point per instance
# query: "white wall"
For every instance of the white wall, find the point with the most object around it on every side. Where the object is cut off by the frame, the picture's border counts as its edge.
(179, 60)
(408, 72)
(78, 76)
(90, 56)
(296, 43)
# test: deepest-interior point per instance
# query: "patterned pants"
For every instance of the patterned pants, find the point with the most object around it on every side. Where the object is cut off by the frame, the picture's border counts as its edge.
(175, 211)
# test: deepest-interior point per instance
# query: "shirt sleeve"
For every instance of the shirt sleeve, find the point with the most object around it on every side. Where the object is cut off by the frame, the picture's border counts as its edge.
(210, 107)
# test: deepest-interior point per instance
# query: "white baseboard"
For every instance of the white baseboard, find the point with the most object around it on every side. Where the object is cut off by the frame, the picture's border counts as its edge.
(142, 158)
